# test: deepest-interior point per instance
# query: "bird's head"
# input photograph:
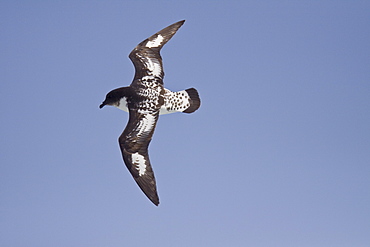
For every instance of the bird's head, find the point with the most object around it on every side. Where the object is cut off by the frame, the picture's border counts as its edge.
(113, 97)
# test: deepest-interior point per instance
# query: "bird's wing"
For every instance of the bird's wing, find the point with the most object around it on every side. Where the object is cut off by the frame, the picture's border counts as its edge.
(146, 55)
(134, 143)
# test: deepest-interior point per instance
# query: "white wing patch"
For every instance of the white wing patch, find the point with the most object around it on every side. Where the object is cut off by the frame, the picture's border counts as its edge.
(146, 124)
(154, 67)
(152, 64)
(139, 162)
(155, 42)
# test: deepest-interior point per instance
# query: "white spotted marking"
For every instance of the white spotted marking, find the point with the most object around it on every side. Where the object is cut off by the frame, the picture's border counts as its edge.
(173, 102)
(155, 42)
(147, 77)
(170, 99)
(139, 162)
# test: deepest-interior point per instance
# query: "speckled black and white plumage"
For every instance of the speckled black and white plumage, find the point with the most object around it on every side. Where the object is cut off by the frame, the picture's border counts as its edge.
(145, 99)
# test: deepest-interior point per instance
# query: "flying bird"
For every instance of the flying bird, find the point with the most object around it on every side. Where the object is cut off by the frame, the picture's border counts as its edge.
(145, 99)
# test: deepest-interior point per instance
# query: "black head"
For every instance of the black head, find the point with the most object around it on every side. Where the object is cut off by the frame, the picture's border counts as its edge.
(114, 96)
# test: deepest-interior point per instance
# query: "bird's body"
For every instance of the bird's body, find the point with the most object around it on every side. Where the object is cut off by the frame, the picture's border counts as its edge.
(145, 99)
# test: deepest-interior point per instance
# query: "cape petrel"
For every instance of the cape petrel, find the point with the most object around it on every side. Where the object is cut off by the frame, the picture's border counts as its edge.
(145, 99)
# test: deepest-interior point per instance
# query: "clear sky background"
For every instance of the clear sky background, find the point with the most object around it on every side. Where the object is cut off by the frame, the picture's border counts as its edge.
(277, 155)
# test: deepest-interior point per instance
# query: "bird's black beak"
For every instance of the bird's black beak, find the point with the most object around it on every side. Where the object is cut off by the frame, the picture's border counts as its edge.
(102, 105)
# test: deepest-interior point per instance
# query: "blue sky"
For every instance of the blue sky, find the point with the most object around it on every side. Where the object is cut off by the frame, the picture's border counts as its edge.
(277, 155)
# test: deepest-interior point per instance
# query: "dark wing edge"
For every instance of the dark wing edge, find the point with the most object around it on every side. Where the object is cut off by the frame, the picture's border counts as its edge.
(146, 55)
(134, 142)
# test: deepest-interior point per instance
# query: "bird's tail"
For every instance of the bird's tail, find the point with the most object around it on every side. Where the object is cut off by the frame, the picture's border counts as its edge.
(194, 100)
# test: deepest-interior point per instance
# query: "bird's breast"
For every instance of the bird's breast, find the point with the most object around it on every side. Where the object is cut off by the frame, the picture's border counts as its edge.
(123, 104)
